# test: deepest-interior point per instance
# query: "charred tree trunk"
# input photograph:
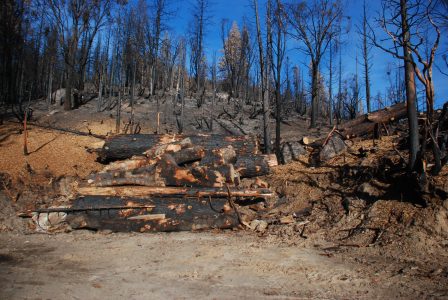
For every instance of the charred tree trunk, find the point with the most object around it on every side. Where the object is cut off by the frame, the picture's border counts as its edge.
(366, 58)
(264, 84)
(219, 157)
(330, 84)
(166, 172)
(188, 155)
(160, 214)
(126, 146)
(410, 88)
(366, 123)
(314, 95)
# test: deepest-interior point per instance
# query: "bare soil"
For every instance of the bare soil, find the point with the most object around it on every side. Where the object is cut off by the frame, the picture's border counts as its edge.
(355, 233)
(84, 265)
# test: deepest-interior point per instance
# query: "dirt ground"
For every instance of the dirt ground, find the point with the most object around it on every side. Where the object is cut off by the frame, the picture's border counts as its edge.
(225, 265)
(355, 231)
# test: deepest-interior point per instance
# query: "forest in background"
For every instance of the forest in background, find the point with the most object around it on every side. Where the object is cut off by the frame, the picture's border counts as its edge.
(113, 51)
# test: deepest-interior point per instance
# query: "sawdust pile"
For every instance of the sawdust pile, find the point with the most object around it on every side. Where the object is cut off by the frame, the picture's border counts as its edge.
(50, 152)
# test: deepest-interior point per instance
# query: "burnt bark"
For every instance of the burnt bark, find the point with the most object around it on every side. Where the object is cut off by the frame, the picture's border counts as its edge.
(219, 157)
(410, 87)
(264, 84)
(254, 166)
(166, 172)
(173, 214)
(366, 123)
(125, 146)
(189, 155)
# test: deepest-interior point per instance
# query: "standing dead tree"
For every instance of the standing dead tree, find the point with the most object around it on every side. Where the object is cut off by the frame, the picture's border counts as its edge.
(330, 82)
(366, 57)
(313, 24)
(161, 10)
(182, 78)
(408, 23)
(278, 51)
(200, 21)
(214, 79)
(264, 84)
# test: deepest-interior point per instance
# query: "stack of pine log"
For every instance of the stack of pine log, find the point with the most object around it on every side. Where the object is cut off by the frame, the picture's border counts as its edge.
(193, 161)
(170, 183)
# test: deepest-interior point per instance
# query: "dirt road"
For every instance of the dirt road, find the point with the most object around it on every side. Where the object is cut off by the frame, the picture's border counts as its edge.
(85, 265)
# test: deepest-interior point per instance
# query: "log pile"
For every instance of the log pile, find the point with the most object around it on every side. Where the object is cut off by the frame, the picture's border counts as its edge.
(191, 161)
(169, 183)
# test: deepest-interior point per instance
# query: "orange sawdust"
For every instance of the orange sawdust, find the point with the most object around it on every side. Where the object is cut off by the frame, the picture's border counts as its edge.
(57, 153)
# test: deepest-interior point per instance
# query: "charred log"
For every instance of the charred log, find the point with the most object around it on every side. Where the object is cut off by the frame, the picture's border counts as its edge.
(366, 123)
(172, 214)
(219, 157)
(166, 172)
(189, 155)
(257, 165)
(125, 146)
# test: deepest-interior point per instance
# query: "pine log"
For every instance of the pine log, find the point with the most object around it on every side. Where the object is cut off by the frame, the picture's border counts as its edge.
(256, 165)
(129, 164)
(359, 130)
(166, 214)
(122, 147)
(146, 176)
(144, 191)
(173, 175)
(366, 123)
(219, 157)
(394, 112)
(166, 172)
(228, 172)
(307, 140)
(189, 155)
(171, 147)
(354, 122)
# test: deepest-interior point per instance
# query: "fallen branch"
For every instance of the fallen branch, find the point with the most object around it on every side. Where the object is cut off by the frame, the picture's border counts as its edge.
(227, 128)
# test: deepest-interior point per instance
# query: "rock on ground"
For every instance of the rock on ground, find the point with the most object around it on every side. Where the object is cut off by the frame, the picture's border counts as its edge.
(334, 147)
(291, 151)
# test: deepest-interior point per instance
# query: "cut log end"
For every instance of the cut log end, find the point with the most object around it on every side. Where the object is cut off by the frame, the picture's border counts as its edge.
(307, 140)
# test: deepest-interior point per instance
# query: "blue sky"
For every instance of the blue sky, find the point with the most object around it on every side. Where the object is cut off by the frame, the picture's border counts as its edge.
(237, 10)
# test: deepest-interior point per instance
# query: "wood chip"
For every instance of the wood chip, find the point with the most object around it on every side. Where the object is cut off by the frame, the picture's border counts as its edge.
(148, 217)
